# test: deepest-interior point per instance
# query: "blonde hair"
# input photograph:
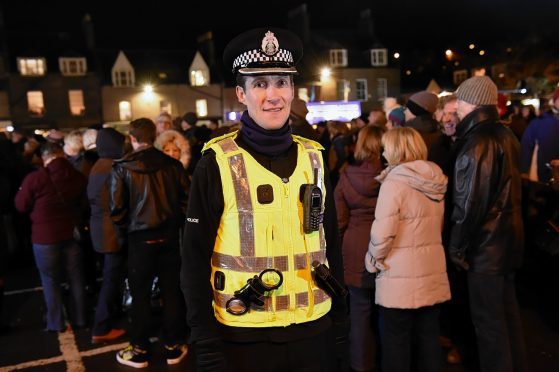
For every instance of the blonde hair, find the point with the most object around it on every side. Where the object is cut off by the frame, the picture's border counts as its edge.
(402, 145)
(178, 140)
(369, 143)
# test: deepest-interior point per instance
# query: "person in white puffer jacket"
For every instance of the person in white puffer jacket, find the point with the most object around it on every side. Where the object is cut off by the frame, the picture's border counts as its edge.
(407, 254)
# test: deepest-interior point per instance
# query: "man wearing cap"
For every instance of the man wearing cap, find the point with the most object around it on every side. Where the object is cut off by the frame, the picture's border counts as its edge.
(419, 113)
(246, 218)
(542, 132)
(486, 236)
(298, 120)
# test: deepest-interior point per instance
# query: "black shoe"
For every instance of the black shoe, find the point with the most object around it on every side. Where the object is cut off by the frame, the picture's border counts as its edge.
(176, 353)
(133, 356)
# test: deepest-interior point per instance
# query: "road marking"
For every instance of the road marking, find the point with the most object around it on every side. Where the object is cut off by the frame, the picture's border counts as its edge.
(67, 353)
(70, 351)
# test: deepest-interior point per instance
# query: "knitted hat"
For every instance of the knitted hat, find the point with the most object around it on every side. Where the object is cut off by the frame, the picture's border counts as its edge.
(422, 103)
(397, 117)
(478, 90)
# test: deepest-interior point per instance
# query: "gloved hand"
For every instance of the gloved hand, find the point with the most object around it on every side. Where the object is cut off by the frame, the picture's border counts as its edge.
(210, 355)
(459, 261)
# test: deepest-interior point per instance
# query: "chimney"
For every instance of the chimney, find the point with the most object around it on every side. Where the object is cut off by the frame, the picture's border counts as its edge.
(88, 33)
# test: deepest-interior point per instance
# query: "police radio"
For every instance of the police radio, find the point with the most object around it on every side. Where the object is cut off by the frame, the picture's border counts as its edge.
(312, 205)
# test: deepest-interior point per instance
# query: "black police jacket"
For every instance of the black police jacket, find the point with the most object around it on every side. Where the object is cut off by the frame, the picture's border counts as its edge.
(487, 234)
(148, 190)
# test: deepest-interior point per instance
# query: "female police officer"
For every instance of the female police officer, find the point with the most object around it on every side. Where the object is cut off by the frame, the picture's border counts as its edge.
(260, 204)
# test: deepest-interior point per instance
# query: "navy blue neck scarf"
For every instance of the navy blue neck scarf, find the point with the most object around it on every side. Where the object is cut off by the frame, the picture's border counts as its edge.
(268, 142)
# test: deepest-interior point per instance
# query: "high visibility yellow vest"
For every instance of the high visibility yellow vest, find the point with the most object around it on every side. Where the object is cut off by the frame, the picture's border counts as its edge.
(254, 236)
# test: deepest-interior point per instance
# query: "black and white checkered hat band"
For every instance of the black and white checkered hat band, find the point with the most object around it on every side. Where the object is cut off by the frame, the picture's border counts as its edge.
(256, 55)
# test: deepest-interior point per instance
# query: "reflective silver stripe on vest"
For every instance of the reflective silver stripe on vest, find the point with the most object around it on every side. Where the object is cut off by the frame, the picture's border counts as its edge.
(228, 145)
(249, 264)
(282, 301)
(301, 259)
(244, 204)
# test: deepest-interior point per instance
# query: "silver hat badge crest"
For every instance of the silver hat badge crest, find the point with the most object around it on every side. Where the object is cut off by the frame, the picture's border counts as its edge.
(270, 45)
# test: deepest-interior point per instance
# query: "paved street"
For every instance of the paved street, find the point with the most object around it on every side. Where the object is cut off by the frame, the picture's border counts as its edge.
(28, 347)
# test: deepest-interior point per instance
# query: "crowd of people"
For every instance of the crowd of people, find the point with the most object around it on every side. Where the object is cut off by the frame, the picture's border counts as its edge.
(415, 208)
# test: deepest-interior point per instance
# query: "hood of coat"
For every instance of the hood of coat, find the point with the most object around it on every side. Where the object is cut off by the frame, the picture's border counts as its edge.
(362, 177)
(423, 176)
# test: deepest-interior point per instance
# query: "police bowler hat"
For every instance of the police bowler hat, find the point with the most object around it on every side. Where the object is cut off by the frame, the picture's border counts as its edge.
(263, 51)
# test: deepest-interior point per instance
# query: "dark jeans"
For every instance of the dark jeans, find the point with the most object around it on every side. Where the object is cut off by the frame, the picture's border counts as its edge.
(362, 336)
(147, 258)
(110, 295)
(53, 260)
(497, 323)
(410, 332)
(313, 354)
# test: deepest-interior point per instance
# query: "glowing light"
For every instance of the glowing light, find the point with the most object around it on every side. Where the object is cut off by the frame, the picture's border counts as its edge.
(523, 91)
(396, 55)
(10, 128)
(533, 101)
(148, 88)
(509, 103)
(448, 53)
(408, 72)
(481, 52)
(325, 73)
(471, 46)
(232, 116)
(501, 75)
(333, 110)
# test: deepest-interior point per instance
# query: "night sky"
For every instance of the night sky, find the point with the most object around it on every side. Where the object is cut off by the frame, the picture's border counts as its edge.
(403, 25)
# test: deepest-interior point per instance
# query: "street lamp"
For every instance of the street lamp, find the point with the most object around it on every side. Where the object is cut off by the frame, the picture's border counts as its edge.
(148, 88)
(396, 55)
(448, 54)
(471, 46)
(325, 73)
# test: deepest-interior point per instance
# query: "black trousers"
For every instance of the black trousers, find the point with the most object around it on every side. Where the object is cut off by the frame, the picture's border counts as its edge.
(147, 257)
(313, 354)
(410, 337)
(497, 323)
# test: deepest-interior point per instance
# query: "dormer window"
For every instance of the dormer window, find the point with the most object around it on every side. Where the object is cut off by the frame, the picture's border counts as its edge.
(32, 66)
(378, 57)
(123, 78)
(123, 72)
(198, 78)
(338, 57)
(72, 66)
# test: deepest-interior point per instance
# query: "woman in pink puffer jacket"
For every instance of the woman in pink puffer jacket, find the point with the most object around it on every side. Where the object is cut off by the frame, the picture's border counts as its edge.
(407, 254)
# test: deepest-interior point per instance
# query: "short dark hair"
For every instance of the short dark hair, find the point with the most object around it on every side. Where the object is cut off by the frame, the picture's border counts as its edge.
(51, 149)
(143, 130)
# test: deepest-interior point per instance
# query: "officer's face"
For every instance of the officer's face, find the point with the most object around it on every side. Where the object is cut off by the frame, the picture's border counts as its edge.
(268, 99)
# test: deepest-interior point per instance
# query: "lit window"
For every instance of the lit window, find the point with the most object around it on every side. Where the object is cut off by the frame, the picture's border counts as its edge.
(123, 78)
(361, 89)
(77, 107)
(342, 89)
(382, 89)
(125, 110)
(338, 57)
(72, 66)
(202, 107)
(303, 93)
(165, 106)
(31, 66)
(378, 57)
(35, 103)
(198, 78)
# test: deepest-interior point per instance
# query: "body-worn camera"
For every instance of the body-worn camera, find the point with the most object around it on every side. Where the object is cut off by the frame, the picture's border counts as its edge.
(325, 280)
(312, 205)
(254, 291)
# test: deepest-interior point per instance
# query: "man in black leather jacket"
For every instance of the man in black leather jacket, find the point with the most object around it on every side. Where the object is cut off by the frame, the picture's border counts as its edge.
(487, 231)
(148, 199)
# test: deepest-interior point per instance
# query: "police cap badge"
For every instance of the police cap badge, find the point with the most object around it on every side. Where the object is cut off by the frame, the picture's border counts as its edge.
(263, 51)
